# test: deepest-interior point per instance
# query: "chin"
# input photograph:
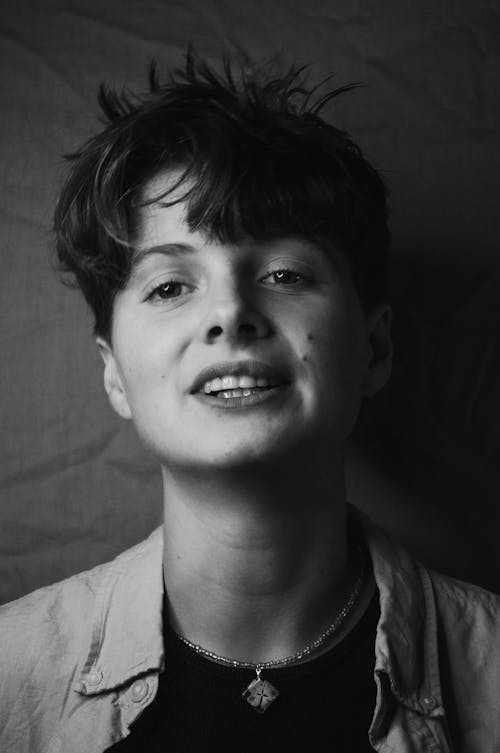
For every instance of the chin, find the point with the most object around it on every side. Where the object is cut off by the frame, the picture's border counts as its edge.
(231, 456)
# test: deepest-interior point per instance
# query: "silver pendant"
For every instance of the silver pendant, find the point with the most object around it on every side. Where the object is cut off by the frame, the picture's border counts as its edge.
(260, 693)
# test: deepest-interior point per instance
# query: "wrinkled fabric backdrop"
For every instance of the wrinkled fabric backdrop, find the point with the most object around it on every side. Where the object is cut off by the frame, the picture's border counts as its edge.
(76, 487)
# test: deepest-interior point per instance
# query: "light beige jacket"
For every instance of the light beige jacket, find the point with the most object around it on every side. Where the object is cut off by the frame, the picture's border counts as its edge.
(80, 660)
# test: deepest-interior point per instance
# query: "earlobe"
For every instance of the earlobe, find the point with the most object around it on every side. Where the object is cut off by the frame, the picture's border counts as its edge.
(380, 349)
(113, 383)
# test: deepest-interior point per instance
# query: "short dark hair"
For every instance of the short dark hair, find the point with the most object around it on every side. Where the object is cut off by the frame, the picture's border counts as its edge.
(256, 158)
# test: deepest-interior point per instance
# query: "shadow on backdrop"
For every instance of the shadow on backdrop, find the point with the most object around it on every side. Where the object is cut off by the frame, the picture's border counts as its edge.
(426, 458)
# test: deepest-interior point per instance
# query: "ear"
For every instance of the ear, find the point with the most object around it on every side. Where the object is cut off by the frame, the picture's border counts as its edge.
(381, 349)
(113, 383)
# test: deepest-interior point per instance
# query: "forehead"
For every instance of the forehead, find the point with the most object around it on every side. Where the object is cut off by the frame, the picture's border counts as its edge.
(161, 221)
(154, 215)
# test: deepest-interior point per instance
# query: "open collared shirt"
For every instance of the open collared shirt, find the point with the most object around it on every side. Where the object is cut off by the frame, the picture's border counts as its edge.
(80, 660)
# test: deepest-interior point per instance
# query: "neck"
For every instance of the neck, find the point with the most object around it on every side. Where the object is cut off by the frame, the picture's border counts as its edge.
(256, 561)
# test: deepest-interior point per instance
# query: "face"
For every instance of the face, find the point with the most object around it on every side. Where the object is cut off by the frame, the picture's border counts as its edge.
(230, 354)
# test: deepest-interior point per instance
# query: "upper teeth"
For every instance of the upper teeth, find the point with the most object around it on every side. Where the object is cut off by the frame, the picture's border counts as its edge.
(234, 383)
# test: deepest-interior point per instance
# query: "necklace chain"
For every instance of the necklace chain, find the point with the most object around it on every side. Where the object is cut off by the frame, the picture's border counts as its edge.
(259, 666)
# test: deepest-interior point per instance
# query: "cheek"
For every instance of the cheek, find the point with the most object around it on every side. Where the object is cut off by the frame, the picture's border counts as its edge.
(335, 355)
(310, 339)
(146, 368)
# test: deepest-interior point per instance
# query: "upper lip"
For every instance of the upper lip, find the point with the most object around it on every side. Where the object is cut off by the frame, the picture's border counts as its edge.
(239, 368)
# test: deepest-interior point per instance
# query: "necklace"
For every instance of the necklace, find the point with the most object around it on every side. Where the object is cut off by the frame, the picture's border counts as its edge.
(261, 693)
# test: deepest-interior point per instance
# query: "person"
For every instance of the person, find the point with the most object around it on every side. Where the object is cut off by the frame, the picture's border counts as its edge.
(233, 246)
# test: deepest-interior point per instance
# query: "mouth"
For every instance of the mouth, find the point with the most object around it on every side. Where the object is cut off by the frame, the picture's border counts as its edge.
(239, 384)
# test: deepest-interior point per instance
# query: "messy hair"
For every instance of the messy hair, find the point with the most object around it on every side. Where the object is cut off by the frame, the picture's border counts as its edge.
(254, 158)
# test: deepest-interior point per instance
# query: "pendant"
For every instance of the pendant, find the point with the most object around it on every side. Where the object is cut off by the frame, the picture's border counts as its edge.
(260, 693)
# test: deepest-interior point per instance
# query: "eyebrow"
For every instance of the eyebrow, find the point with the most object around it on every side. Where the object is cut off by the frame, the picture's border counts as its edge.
(165, 249)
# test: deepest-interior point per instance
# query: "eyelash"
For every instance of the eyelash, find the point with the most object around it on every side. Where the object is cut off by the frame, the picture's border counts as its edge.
(285, 270)
(298, 279)
(155, 292)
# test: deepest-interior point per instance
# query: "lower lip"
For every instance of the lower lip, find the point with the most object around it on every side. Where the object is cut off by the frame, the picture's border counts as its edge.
(241, 403)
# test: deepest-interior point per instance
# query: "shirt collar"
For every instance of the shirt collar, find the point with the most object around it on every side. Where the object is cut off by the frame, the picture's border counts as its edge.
(126, 633)
(406, 648)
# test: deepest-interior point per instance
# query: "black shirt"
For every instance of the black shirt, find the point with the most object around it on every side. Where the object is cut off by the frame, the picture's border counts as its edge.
(199, 705)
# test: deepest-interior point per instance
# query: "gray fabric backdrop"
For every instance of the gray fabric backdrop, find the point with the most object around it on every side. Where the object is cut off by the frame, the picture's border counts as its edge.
(75, 485)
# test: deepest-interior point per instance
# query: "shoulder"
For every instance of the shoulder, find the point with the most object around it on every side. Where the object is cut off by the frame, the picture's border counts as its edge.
(41, 632)
(457, 603)
(465, 598)
(45, 638)
(41, 635)
(445, 632)
(44, 614)
(469, 618)
(65, 607)
(468, 631)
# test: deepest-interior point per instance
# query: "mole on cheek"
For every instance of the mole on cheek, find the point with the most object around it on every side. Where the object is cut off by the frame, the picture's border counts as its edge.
(310, 337)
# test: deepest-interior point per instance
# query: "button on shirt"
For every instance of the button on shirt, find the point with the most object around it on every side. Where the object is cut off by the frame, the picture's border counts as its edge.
(80, 660)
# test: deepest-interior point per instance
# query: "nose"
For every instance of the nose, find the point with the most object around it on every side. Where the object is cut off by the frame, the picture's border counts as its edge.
(233, 317)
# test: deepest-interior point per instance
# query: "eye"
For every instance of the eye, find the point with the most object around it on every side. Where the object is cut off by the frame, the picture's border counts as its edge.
(283, 277)
(167, 291)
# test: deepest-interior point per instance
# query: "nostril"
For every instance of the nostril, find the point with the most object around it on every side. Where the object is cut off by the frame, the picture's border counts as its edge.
(215, 331)
(247, 329)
